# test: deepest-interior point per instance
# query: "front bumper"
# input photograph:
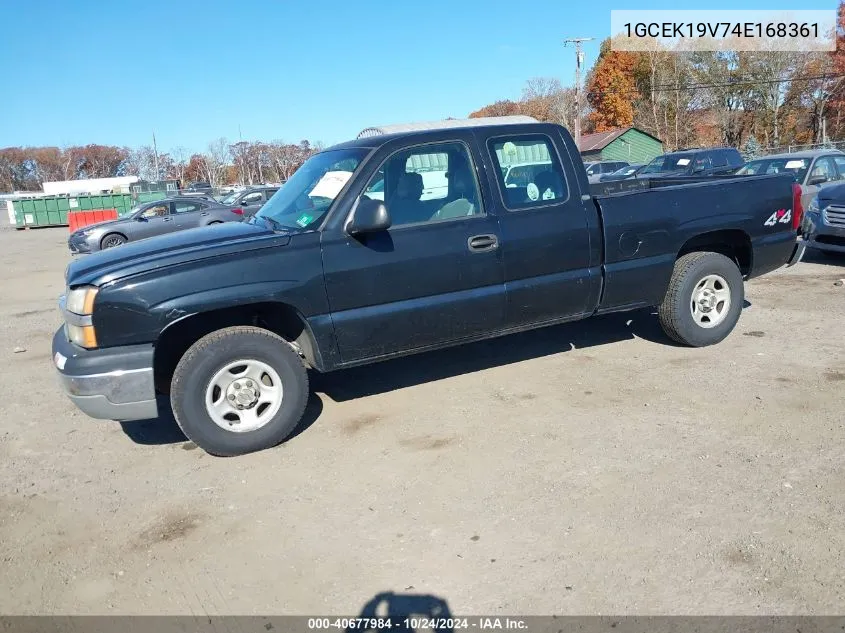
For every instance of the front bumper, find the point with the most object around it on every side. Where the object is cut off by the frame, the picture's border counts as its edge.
(108, 384)
(822, 236)
(78, 243)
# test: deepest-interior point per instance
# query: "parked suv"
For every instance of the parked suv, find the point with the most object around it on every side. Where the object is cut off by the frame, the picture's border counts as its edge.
(711, 161)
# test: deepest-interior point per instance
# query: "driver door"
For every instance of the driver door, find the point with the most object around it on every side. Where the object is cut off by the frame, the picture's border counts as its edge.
(434, 277)
(154, 220)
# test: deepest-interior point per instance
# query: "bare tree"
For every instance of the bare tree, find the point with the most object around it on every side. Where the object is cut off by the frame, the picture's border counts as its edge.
(215, 160)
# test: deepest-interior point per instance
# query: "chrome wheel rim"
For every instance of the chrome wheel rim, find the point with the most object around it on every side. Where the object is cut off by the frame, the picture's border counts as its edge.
(244, 395)
(711, 301)
(112, 242)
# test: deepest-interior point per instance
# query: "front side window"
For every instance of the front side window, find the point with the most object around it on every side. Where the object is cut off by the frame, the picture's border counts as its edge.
(840, 165)
(823, 170)
(428, 183)
(252, 198)
(541, 181)
(307, 196)
(157, 211)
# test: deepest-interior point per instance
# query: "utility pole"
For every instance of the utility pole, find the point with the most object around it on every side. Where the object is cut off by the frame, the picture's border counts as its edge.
(241, 154)
(155, 156)
(579, 59)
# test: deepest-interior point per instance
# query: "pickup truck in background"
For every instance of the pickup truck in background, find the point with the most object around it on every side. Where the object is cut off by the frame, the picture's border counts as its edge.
(227, 319)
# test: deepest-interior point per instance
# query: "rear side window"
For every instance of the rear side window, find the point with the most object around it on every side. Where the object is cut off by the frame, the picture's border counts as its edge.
(840, 165)
(719, 158)
(734, 157)
(530, 173)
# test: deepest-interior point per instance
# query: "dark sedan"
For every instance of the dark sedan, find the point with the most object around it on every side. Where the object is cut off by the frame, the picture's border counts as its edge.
(151, 219)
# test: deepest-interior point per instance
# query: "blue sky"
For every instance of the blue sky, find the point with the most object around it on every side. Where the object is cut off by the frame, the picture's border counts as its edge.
(91, 71)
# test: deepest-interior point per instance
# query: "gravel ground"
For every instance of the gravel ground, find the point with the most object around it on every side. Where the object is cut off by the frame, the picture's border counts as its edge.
(588, 468)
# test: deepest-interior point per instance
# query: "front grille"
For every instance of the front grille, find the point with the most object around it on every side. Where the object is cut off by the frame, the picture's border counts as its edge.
(834, 216)
(833, 240)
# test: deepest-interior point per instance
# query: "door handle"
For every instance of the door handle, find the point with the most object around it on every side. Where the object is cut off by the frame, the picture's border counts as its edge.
(167, 219)
(482, 243)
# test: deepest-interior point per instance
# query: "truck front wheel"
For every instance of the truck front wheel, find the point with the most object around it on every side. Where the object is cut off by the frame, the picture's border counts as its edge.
(704, 299)
(239, 390)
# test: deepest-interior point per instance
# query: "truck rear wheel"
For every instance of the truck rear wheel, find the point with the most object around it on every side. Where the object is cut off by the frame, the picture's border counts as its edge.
(239, 390)
(704, 299)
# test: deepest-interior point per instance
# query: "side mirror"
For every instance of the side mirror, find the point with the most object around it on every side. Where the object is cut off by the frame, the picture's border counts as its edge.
(817, 180)
(370, 216)
(140, 218)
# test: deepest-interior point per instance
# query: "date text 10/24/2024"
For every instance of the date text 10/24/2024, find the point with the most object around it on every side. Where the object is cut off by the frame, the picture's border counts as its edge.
(417, 623)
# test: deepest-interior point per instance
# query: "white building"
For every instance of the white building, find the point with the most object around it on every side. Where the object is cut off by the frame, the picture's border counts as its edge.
(119, 184)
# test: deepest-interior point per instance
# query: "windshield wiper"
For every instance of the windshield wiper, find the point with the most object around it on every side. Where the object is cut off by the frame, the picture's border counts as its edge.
(273, 225)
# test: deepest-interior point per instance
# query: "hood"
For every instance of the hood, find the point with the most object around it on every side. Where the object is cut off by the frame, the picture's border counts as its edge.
(103, 224)
(170, 250)
(834, 193)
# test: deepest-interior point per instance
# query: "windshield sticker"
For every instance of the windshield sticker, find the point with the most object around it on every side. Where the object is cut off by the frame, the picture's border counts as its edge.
(304, 220)
(330, 184)
(794, 164)
(533, 191)
(683, 162)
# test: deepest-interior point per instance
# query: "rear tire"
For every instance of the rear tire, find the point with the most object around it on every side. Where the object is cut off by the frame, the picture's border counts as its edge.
(209, 382)
(704, 299)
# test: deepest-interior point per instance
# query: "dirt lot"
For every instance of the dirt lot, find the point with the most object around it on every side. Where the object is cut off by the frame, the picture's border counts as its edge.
(589, 468)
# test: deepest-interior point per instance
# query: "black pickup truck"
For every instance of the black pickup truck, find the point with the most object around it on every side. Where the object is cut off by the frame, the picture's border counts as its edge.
(396, 244)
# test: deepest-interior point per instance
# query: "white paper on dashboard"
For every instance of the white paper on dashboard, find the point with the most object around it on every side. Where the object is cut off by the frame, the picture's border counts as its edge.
(330, 184)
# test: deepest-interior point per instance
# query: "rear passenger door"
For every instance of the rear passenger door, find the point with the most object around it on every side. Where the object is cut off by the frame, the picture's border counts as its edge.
(187, 215)
(545, 239)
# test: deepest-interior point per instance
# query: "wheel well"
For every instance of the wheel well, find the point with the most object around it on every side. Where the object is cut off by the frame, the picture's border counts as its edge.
(103, 239)
(279, 318)
(732, 243)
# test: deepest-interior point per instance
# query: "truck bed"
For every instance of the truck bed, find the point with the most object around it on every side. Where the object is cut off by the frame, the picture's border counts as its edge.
(647, 223)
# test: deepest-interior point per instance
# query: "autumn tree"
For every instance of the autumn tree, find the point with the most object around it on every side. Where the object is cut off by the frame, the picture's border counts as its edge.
(611, 91)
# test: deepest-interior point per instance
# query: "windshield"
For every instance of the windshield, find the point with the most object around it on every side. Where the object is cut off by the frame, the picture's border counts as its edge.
(798, 167)
(230, 199)
(668, 163)
(625, 171)
(307, 196)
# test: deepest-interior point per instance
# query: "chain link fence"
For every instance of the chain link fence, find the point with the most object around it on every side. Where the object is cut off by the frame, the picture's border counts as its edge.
(791, 149)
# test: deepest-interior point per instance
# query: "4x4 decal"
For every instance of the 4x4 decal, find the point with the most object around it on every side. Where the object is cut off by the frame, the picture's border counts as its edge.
(784, 216)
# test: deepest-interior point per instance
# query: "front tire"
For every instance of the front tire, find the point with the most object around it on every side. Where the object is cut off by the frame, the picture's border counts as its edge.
(704, 299)
(112, 240)
(239, 390)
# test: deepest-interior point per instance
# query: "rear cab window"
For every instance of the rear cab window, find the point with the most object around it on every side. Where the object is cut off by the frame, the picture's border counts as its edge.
(539, 181)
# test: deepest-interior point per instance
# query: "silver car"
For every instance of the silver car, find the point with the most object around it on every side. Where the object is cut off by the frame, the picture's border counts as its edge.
(151, 219)
(813, 170)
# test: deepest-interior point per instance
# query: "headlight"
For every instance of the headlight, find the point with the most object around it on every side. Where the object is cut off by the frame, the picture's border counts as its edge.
(813, 207)
(81, 300)
(82, 335)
